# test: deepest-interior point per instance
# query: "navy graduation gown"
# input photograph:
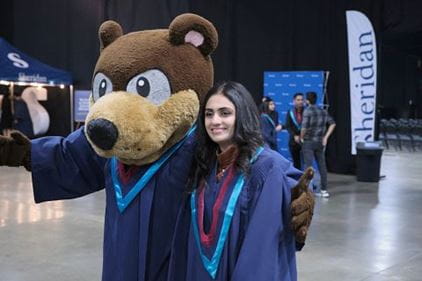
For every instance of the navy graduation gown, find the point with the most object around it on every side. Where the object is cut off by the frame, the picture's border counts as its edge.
(137, 242)
(268, 131)
(260, 244)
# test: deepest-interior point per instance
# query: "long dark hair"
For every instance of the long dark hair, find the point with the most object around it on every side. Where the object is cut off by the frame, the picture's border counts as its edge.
(265, 106)
(247, 133)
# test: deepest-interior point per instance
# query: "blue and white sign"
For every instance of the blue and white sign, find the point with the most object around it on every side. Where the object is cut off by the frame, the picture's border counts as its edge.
(81, 105)
(282, 86)
(363, 77)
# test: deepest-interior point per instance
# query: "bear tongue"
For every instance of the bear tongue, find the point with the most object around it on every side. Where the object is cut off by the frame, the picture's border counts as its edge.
(126, 172)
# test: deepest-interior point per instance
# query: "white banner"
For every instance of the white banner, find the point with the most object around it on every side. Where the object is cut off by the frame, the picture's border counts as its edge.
(363, 77)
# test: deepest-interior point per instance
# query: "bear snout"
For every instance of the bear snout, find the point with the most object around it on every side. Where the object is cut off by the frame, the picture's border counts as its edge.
(102, 133)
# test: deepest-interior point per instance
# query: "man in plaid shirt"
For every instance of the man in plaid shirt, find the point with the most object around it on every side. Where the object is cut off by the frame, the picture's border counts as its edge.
(314, 136)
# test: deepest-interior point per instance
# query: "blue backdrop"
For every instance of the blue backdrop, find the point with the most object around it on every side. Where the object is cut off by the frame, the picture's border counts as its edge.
(281, 87)
(80, 105)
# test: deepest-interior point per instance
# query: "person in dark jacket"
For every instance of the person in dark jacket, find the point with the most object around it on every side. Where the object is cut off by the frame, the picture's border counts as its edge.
(293, 125)
(314, 137)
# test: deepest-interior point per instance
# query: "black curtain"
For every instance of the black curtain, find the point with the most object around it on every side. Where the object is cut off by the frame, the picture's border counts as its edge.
(400, 92)
(6, 20)
(255, 36)
(134, 15)
(62, 34)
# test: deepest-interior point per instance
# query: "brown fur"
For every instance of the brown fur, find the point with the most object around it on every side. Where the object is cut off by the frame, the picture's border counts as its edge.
(146, 130)
(109, 31)
(182, 25)
(137, 52)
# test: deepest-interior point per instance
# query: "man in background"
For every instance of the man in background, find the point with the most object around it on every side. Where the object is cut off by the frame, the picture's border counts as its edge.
(314, 137)
(293, 125)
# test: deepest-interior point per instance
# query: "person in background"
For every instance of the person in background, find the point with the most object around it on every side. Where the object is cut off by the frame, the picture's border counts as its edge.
(274, 114)
(293, 125)
(264, 99)
(262, 104)
(268, 126)
(314, 137)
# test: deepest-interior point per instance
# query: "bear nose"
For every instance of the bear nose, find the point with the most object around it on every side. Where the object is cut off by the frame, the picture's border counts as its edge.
(102, 133)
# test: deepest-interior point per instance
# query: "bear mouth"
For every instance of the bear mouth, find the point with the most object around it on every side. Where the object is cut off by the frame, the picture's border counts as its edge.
(145, 151)
(135, 161)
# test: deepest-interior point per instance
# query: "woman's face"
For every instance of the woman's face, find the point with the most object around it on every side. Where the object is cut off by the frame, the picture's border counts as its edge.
(271, 106)
(220, 119)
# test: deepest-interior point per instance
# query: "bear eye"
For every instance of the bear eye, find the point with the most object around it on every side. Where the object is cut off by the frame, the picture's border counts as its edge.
(152, 84)
(101, 85)
(142, 86)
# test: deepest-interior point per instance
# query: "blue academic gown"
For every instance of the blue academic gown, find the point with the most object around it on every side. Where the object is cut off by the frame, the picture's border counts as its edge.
(260, 244)
(64, 168)
(268, 131)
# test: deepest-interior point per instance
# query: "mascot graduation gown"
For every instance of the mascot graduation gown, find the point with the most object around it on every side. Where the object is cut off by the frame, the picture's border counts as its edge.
(144, 104)
(137, 143)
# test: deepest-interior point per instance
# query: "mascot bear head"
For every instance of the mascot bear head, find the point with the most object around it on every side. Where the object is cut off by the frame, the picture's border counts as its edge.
(147, 86)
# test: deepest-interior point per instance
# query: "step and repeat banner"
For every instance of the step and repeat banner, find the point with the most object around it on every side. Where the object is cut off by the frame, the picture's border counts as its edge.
(81, 105)
(281, 86)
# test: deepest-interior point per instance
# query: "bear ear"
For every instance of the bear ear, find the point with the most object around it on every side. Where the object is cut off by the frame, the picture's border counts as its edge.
(195, 30)
(109, 31)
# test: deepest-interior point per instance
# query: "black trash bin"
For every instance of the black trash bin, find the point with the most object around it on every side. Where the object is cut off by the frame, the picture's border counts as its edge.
(368, 161)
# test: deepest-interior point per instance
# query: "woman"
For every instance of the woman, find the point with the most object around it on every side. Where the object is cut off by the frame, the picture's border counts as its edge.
(231, 227)
(268, 126)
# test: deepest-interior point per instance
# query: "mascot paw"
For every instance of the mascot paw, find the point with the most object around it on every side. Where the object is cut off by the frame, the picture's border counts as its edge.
(302, 206)
(15, 150)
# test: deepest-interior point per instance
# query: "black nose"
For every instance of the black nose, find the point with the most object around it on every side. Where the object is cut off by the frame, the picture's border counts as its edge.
(102, 133)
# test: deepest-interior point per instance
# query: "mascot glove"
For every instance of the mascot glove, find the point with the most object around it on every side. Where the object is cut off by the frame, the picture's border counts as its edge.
(302, 206)
(15, 150)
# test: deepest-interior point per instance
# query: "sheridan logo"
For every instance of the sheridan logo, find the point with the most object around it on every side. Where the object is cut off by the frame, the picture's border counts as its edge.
(365, 87)
(363, 77)
(32, 78)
